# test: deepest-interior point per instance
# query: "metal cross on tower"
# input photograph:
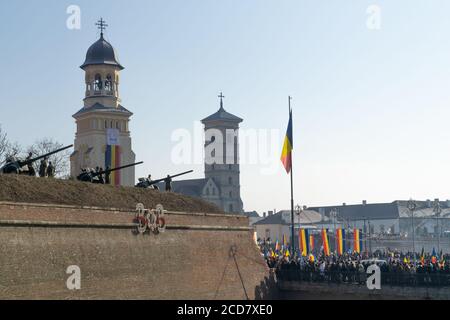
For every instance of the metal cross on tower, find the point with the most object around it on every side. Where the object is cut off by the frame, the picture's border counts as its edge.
(101, 25)
(221, 96)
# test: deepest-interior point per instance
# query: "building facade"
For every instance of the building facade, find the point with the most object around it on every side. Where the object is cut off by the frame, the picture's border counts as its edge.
(102, 136)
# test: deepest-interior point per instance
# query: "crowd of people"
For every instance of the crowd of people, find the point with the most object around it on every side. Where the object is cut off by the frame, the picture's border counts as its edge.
(397, 268)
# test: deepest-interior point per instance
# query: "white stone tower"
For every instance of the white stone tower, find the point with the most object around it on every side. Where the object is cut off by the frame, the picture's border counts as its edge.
(103, 138)
(222, 161)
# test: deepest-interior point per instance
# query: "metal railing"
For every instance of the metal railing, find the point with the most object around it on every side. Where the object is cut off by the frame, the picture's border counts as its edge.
(405, 279)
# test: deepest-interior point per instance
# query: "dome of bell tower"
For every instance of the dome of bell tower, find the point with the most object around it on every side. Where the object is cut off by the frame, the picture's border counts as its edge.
(101, 53)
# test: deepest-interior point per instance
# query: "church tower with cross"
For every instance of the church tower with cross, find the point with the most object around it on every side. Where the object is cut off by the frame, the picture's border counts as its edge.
(222, 158)
(102, 126)
(221, 185)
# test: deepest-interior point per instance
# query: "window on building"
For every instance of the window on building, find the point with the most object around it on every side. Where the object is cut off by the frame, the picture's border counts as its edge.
(231, 194)
(230, 180)
(108, 83)
(230, 167)
(98, 83)
(231, 207)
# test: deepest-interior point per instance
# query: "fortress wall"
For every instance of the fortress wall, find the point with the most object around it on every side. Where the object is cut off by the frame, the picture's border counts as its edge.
(191, 260)
(292, 290)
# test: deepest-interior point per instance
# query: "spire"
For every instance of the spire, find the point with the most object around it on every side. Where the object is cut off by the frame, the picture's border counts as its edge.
(221, 96)
(101, 24)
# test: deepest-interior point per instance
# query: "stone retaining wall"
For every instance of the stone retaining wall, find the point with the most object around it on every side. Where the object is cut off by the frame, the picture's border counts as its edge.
(190, 260)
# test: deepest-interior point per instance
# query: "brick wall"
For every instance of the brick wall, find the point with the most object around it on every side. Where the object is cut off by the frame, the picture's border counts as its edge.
(190, 261)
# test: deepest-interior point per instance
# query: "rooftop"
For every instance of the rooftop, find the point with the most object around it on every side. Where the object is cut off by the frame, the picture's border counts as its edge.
(98, 107)
(101, 53)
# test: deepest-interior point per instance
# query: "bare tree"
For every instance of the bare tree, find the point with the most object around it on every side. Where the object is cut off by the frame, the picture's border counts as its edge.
(7, 148)
(59, 160)
(3, 145)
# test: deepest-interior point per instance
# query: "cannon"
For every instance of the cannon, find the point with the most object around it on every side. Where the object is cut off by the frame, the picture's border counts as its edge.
(15, 166)
(146, 183)
(89, 175)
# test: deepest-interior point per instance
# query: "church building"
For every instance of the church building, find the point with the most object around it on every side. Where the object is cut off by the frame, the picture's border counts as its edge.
(102, 126)
(221, 185)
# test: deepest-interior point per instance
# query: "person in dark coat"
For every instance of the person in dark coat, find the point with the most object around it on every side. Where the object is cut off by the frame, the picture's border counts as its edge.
(108, 175)
(50, 170)
(31, 171)
(168, 182)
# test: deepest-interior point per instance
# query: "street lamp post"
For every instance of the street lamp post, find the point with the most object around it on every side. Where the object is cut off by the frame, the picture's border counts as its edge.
(333, 214)
(411, 207)
(365, 236)
(437, 210)
(298, 212)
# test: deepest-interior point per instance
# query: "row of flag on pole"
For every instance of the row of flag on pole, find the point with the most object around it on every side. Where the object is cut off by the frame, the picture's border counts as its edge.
(307, 241)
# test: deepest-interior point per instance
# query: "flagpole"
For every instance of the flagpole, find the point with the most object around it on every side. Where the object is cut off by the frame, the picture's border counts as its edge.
(292, 189)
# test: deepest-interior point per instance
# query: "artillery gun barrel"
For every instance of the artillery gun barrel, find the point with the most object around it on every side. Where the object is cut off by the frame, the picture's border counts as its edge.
(27, 162)
(171, 177)
(118, 168)
(181, 174)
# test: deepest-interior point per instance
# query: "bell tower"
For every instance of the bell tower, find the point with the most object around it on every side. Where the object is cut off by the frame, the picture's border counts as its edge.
(222, 157)
(103, 138)
(102, 72)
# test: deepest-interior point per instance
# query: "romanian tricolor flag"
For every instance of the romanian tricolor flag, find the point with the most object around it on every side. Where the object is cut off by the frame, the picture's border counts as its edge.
(356, 241)
(277, 246)
(286, 155)
(112, 160)
(326, 245)
(304, 242)
(311, 243)
(284, 241)
(433, 257)
(340, 245)
(287, 254)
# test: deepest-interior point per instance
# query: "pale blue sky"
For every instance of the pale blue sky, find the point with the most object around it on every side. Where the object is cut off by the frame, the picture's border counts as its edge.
(372, 117)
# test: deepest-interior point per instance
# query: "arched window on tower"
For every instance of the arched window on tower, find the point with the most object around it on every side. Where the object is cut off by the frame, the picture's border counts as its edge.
(98, 83)
(108, 84)
(230, 208)
(230, 180)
